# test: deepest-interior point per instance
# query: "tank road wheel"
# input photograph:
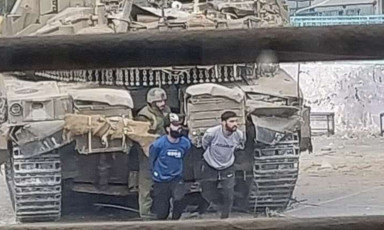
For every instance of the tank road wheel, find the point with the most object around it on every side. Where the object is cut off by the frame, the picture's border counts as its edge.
(275, 172)
(35, 186)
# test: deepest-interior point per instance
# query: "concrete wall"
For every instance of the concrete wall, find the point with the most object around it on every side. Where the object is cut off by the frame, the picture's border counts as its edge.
(355, 92)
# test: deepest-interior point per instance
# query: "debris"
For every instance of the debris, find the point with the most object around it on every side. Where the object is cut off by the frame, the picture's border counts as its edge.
(326, 149)
(329, 153)
(312, 166)
(326, 165)
(340, 167)
(117, 207)
(365, 167)
(317, 175)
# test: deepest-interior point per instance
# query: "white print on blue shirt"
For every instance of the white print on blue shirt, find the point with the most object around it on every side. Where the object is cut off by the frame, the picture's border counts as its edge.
(174, 153)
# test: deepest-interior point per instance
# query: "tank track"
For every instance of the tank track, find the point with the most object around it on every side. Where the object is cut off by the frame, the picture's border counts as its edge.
(275, 172)
(35, 186)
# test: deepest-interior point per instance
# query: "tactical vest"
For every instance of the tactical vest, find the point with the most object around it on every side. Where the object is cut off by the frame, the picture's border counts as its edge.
(155, 117)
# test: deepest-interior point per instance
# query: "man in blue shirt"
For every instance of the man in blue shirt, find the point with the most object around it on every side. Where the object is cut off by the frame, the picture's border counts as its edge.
(166, 156)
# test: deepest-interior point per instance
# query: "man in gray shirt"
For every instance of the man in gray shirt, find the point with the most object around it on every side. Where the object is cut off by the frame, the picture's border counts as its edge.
(219, 143)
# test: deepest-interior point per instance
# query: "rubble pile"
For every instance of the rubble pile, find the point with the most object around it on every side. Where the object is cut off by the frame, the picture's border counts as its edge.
(354, 92)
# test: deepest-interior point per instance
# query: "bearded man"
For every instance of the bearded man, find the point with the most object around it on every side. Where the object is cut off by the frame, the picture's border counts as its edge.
(220, 143)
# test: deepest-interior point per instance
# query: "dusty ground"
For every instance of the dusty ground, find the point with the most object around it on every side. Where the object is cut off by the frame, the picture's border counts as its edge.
(342, 177)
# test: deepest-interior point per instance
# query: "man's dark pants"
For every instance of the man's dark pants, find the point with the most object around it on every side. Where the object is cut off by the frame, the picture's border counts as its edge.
(162, 193)
(218, 187)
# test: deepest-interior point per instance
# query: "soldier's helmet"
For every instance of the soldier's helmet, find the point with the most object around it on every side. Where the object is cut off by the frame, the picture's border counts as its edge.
(267, 63)
(156, 94)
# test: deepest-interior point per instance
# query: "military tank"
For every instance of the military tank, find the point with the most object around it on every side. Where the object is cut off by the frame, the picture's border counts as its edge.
(39, 157)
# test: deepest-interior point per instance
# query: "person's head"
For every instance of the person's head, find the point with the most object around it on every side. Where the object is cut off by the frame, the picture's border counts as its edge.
(267, 63)
(157, 97)
(173, 125)
(229, 121)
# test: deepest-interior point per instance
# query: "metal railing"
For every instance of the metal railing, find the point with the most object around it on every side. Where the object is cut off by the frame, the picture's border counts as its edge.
(301, 21)
(322, 123)
(382, 124)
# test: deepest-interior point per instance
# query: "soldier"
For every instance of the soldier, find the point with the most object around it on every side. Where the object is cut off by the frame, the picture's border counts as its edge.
(219, 143)
(155, 112)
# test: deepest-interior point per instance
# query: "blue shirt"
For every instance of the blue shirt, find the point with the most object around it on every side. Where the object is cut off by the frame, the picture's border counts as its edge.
(166, 158)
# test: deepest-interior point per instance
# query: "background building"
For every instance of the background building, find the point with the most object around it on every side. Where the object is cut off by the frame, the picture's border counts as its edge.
(334, 7)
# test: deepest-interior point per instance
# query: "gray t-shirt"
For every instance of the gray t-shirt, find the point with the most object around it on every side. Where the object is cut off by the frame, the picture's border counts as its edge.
(219, 149)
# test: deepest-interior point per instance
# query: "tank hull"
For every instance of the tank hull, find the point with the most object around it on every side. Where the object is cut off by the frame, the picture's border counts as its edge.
(97, 162)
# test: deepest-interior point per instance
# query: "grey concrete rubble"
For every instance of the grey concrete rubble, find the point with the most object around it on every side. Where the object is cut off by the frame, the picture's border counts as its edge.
(352, 90)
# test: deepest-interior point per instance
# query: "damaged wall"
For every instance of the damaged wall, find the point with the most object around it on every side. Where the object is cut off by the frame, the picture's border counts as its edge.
(353, 91)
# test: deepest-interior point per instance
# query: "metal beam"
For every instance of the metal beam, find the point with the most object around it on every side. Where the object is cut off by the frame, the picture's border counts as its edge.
(191, 47)
(334, 223)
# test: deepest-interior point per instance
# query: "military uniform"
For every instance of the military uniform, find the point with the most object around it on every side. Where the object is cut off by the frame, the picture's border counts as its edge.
(156, 118)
